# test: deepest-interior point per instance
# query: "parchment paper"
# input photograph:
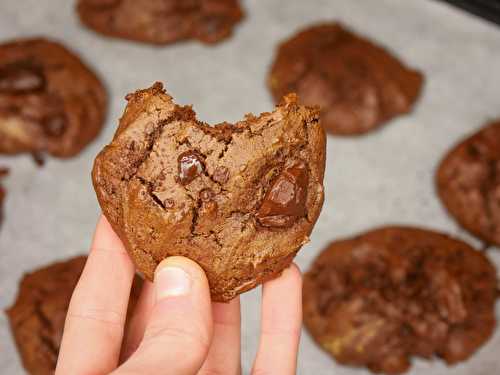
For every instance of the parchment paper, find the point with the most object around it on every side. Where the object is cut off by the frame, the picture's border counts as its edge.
(385, 177)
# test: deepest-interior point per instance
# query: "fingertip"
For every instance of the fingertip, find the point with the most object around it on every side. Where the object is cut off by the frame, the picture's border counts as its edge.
(293, 271)
(187, 265)
(290, 276)
(105, 237)
(179, 276)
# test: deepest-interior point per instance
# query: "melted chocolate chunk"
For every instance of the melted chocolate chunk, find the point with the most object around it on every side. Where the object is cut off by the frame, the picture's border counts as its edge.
(20, 79)
(190, 166)
(285, 201)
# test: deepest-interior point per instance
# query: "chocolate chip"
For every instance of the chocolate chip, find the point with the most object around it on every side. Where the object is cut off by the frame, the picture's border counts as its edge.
(20, 79)
(55, 126)
(190, 165)
(285, 201)
(206, 195)
(221, 175)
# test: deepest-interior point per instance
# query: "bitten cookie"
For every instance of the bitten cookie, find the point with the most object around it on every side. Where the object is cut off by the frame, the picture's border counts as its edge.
(377, 299)
(358, 84)
(50, 102)
(238, 199)
(468, 183)
(162, 21)
(37, 317)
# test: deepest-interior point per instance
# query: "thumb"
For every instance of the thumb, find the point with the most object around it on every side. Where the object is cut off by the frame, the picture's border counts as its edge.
(179, 331)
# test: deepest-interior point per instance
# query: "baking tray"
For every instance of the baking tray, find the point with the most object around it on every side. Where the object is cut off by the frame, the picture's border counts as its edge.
(487, 9)
(384, 177)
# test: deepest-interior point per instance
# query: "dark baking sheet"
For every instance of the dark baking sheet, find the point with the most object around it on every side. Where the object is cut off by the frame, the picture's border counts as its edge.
(487, 9)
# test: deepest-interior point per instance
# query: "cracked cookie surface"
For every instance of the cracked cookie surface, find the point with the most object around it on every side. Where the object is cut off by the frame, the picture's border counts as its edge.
(162, 21)
(384, 296)
(358, 85)
(239, 199)
(38, 314)
(468, 183)
(50, 102)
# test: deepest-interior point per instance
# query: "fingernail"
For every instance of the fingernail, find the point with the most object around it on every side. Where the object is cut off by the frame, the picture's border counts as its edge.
(171, 282)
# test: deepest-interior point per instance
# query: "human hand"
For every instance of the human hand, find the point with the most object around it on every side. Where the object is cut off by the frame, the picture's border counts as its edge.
(175, 328)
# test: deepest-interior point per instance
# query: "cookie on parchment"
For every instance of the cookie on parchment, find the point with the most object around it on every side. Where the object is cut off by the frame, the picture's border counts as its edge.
(38, 314)
(162, 21)
(358, 85)
(378, 299)
(50, 102)
(468, 183)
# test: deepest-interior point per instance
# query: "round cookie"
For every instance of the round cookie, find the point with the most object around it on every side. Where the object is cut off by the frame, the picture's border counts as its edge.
(162, 21)
(384, 296)
(238, 199)
(37, 317)
(358, 84)
(468, 183)
(50, 102)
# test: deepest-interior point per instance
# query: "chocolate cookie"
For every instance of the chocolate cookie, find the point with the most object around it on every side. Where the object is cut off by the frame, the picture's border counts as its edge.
(238, 199)
(377, 299)
(49, 100)
(37, 317)
(162, 21)
(468, 183)
(358, 84)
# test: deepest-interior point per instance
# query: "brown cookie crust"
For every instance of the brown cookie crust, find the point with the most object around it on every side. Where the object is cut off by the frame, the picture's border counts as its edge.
(172, 185)
(468, 183)
(380, 298)
(49, 100)
(38, 314)
(162, 21)
(358, 85)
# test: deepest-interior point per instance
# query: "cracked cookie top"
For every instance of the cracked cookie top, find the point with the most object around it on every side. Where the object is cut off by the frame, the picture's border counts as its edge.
(358, 84)
(468, 183)
(50, 102)
(162, 21)
(239, 199)
(37, 317)
(384, 296)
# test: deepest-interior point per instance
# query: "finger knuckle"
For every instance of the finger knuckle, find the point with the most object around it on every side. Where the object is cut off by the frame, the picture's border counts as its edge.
(103, 316)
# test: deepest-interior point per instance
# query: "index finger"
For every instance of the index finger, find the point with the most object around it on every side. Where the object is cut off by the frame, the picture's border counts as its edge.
(95, 321)
(281, 322)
